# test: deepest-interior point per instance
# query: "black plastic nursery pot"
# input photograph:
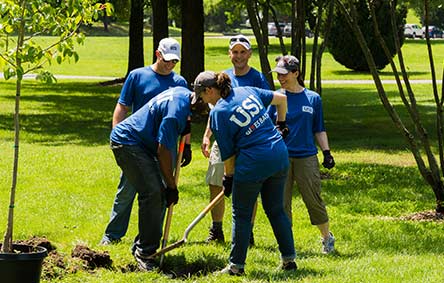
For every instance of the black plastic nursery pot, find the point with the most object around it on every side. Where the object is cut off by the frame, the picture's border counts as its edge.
(22, 266)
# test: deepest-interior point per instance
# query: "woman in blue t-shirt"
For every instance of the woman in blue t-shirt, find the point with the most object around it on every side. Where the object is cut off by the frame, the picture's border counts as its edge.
(255, 159)
(306, 123)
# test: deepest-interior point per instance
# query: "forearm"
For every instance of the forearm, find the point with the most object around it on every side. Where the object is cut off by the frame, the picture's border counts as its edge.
(322, 140)
(119, 114)
(166, 165)
(280, 101)
(229, 165)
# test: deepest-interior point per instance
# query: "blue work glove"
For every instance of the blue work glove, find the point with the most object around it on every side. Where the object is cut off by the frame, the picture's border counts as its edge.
(186, 156)
(227, 183)
(329, 162)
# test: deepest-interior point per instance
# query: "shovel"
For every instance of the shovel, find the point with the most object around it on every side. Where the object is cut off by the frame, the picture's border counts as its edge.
(184, 239)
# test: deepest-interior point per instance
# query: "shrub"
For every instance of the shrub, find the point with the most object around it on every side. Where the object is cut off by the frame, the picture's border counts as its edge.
(345, 48)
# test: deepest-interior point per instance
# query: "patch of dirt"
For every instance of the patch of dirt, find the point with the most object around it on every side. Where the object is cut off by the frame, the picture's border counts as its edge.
(57, 265)
(92, 258)
(429, 215)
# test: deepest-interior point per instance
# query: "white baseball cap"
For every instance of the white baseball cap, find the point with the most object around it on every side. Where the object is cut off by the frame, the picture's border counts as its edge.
(240, 39)
(170, 49)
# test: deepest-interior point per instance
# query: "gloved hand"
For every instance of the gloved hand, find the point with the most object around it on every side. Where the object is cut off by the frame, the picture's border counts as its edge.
(187, 129)
(172, 196)
(186, 156)
(329, 162)
(227, 183)
(283, 128)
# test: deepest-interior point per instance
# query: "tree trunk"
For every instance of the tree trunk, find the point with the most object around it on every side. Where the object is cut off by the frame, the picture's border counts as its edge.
(135, 51)
(192, 59)
(160, 23)
(253, 15)
(430, 174)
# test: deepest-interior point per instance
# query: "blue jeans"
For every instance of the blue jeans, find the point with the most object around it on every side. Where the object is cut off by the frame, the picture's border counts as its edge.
(121, 211)
(272, 195)
(143, 172)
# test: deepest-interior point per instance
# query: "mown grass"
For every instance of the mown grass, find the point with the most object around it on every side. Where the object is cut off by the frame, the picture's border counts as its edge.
(107, 56)
(68, 178)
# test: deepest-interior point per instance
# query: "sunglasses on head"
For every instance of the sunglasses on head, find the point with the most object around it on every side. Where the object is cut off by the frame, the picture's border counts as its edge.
(239, 39)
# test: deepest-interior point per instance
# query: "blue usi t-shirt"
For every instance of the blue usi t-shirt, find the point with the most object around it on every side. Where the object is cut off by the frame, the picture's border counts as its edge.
(161, 120)
(142, 84)
(252, 78)
(304, 118)
(243, 128)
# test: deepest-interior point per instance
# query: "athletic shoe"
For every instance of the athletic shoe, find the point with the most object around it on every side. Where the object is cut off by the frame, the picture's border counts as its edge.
(144, 263)
(328, 245)
(215, 235)
(289, 265)
(232, 270)
(251, 239)
(107, 241)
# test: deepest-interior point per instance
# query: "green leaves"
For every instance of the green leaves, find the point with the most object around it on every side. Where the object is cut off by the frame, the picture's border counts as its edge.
(21, 53)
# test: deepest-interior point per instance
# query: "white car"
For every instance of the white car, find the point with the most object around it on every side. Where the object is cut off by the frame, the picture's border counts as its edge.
(413, 31)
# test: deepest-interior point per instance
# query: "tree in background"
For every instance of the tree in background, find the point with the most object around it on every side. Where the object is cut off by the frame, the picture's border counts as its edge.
(193, 53)
(159, 23)
(344, 46)
(417, 138)
(135, 51)
(20, 22)
(435, 11)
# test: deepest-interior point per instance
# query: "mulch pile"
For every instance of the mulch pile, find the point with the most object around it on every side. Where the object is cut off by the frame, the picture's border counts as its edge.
(429, 215)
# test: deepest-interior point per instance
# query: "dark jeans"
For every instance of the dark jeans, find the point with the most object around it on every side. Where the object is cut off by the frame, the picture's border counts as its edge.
(143, 172)
(121, 211)
(272, 195)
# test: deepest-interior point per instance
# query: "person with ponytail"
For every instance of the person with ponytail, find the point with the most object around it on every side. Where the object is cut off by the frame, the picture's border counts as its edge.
(255, 160)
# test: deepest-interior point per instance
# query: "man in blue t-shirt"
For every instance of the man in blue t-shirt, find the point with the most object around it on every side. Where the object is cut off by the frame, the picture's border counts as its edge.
(241, 74)
(140, 86)
(145, 146)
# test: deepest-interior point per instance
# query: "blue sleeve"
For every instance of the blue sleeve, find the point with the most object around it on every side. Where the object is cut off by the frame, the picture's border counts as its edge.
(127, 94)
(318, 121)
(264, 81)
(266, 96)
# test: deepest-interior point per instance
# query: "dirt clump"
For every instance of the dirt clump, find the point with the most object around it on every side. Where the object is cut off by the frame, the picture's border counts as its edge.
(93, 259)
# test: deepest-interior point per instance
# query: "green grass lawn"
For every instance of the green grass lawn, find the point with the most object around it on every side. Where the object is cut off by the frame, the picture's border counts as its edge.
(68, 177)
(107, 56)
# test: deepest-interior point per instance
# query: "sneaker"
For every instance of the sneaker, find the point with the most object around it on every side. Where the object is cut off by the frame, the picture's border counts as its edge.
(251, 239)
(328, 245)
(231, 269)
(289, 265)
(107, 241)
(216, 235)
(144, 263)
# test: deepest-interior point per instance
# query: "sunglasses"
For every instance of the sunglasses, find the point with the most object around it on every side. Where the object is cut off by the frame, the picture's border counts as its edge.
(174, 61)
(239, 39)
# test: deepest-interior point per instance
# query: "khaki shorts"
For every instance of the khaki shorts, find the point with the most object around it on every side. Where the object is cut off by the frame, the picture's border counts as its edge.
(215, 172)
(305, 171)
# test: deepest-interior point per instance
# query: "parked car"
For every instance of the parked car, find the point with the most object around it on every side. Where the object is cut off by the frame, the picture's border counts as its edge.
(272, 30)
(287, 31)
(434, 32)
(413, 31)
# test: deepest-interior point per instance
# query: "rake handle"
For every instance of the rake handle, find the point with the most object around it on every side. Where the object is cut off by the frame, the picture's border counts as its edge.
(169, 217)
